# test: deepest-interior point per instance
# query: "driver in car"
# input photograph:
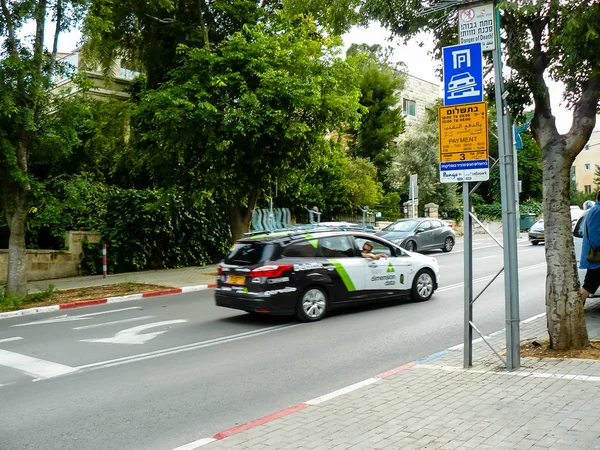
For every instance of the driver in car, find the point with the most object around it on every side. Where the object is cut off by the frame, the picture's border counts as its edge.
(367, 252)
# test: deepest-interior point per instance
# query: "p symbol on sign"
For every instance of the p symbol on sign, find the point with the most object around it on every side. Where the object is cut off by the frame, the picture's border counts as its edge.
(460, 58)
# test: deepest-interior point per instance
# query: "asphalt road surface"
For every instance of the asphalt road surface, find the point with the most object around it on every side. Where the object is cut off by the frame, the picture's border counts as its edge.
(162, 372)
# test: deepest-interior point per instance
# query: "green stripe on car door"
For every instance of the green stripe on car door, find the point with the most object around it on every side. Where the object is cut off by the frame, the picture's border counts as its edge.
(343, 275)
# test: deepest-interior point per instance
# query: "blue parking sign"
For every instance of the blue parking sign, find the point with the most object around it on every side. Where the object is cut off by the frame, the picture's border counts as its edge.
(463, 74)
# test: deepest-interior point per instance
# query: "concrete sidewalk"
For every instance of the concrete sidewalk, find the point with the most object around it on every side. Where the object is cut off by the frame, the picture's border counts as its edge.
(435, 404)
(188, 276)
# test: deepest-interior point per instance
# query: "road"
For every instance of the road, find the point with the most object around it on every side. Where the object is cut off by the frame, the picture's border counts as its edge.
(162, 372)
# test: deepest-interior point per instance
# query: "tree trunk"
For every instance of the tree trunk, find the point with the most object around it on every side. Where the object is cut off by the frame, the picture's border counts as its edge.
(241, 215)
(564, 305)
(17, 252)
(238, 221)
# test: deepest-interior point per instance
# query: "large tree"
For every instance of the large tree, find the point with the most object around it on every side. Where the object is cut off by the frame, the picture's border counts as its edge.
(31, 124)
(147, 33)
(542, 39)
(380, 84)
(244, 115)
(417, 153)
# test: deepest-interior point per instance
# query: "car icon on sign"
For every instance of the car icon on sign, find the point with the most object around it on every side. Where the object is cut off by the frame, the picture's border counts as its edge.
(461, 81)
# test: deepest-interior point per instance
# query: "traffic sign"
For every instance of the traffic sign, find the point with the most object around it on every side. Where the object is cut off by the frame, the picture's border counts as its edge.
(463, 74)
(463, 145)
(477, 24)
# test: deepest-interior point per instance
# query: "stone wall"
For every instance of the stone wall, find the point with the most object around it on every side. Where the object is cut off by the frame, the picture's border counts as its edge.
(49, 264)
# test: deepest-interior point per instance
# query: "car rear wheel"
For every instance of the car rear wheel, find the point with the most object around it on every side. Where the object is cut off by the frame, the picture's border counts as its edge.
(411, 246)
(448, 244)
(422, 288)
(312, 305)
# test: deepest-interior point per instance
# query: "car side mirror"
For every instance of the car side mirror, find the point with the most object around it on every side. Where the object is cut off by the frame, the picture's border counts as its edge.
(419, 230)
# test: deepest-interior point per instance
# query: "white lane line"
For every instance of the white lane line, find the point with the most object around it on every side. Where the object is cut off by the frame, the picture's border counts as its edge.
(345, 390)
(479, 280)
(186, 347)
(486, 257)
(109, 312)
(114, 322)
(196, 444)
(10, 339)
(35, 367)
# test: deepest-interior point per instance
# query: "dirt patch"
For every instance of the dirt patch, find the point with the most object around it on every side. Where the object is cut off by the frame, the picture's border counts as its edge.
(541, 349)
(85, 293)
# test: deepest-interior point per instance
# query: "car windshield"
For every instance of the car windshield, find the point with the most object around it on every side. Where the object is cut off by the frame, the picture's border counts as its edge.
(402, 225)
(248, 254)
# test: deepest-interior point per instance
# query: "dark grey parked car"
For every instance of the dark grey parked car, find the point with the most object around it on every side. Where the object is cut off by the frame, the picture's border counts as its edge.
(420, 234)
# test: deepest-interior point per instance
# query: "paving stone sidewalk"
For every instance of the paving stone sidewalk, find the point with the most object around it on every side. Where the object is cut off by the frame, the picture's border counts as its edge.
(436, 404)
(188, 276)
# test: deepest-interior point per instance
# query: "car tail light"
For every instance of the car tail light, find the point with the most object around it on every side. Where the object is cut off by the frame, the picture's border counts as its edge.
(271, 270)
(219, 269)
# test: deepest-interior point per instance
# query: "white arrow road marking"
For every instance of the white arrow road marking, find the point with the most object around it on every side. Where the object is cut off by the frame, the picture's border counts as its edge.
(10, 339)
(57, 319)
(114, 322)
(130, 335)
(67, 318)
(35, 367)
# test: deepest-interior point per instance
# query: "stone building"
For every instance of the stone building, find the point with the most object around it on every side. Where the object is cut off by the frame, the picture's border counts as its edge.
(584, 167)
(417, 96)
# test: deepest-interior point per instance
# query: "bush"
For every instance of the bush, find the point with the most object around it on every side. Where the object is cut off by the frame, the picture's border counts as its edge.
(489, 212)
(143, 228)
(532, 206)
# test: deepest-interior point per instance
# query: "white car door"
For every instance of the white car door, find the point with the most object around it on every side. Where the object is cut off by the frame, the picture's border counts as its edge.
(388, 275)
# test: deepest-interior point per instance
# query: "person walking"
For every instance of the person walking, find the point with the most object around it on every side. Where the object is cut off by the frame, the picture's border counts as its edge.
(591, 240)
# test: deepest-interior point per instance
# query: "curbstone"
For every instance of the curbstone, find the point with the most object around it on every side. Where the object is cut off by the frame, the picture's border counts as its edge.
(101, 301)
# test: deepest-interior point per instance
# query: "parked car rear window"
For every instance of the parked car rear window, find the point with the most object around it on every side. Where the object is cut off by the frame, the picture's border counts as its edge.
(248, 254)
(402, 225)
(302, 249)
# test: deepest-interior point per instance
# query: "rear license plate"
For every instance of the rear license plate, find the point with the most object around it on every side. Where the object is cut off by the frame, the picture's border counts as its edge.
(540, 235)
(236, 279)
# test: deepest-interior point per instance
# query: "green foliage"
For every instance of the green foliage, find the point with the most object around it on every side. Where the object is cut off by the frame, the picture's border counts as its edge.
(147, 34)
(380, 83)
(391, 206)
(417, 152)
(532, 206)
(41, 296)
(255, 110)
(579, 197)
(489, 212)
(10, 302)
(336, 183)
(597, 177)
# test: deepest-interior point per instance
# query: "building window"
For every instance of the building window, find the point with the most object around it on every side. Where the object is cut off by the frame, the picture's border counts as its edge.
(409, 107)
(588, 166)
(587, 147)
(587, 189)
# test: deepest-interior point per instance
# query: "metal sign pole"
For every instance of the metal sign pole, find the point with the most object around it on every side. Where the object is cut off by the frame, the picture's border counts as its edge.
(507, 189)
(468, 275)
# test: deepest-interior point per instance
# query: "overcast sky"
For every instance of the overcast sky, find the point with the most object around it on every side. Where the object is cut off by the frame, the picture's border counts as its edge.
(417, 59)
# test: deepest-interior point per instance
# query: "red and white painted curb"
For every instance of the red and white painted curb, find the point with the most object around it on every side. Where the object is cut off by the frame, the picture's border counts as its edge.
(293, 409)
(101, 301)
(345, 390)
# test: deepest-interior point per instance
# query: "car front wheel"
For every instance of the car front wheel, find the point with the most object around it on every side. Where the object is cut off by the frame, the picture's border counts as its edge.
(312, 305)
(422, 288)
(448, 245)
(411, 246)
(535, 242)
